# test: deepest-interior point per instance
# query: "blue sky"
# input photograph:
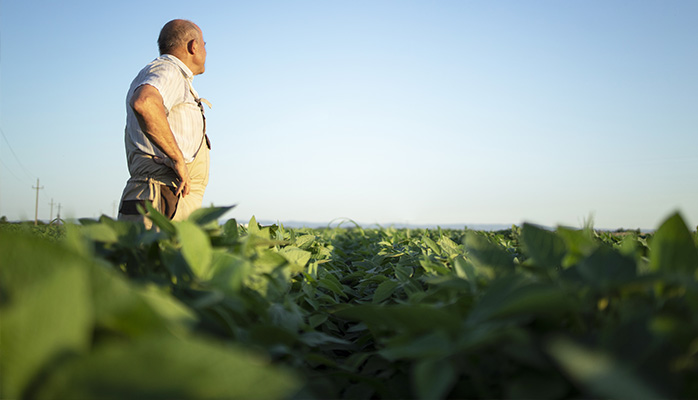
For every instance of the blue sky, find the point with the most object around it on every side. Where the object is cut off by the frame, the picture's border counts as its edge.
(422, 112)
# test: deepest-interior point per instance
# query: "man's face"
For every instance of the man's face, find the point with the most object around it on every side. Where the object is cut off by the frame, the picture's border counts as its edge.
(200, 54)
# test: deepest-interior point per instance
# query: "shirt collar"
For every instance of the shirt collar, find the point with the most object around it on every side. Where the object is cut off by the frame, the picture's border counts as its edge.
(187, 72)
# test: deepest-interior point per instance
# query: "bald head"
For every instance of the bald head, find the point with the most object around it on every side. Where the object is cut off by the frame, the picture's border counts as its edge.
(176, 34)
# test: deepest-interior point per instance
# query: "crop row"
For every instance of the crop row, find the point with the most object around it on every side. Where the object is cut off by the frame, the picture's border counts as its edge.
(198, 309)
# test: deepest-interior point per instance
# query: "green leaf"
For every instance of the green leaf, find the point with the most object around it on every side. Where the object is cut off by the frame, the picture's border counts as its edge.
(465, 270)
(230, 228)
(606, 269)
(544, 247)
(431, 245)
(332, 285)
(196, 248)
(160, 220)
(432, 345)
(433, 267)
(315, 339)
(270, 335)
(416, 319)
(305, 241)
(165, 367)
(673, 248)
(99, 233)
(229, 271)
(433, 379)
(384, 291)
(253, 228)
(513, 296)
(449, 247)
(204, 216)
(599, 373)
(45, 309)
(316, 320)
(299, 258)
(485, 254)
(130, 310)
(579, 243)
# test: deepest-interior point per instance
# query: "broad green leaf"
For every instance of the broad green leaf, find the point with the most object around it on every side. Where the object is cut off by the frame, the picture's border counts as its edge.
(127, 232)
(289, 317)
(315, 339)
(433, 378)
(431, 345)
(415, 319)
(512, 297)
(130, 310)
(204, 216)
(165, 367)
(175, 263)
(231, 229)
(465, 270)
(606, 269)
(579, 243)
(331, 283)
(99, 233)
(253, 229)
(544, 247)
(299, 258)
(196, 248)
(431, 245)
(485, 254)
(166, 306)
(46, 309)
(673, 248)
(160, 220)
(434, 267)
(449, 247)
(270, 335)
(384, 291)
(305, 241)
(316, 320)
(269, 260)
(599, 373)
(229, 271)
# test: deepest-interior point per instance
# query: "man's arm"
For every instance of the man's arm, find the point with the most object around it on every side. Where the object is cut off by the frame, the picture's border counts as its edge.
(152, 118)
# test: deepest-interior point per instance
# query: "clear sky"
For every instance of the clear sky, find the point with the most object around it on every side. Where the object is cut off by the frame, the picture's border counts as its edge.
(381, 111)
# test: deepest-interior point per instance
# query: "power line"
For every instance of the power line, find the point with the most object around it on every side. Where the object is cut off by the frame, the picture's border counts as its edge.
(26, 171)
(9, 170)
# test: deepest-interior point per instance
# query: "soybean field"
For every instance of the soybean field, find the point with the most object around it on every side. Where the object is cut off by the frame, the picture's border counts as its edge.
(200, 309)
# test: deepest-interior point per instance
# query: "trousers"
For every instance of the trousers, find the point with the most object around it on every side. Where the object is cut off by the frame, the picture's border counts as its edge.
(156, 182)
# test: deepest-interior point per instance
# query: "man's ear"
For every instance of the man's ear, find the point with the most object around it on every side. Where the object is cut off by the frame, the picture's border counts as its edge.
(191, 46)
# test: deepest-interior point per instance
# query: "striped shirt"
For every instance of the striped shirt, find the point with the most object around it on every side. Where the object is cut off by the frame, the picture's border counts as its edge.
(173, 79)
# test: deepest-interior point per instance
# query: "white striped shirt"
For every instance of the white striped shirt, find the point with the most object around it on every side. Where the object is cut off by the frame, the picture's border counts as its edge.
(172, 78)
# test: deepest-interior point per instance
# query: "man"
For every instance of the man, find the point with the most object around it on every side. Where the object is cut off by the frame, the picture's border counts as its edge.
(167, 149)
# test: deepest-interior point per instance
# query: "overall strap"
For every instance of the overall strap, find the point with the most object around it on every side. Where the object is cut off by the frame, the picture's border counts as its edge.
(200, 101)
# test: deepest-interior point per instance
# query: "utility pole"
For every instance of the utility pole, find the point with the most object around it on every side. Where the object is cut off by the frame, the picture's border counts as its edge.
(58, 217)
(51, 218)
(36, 209)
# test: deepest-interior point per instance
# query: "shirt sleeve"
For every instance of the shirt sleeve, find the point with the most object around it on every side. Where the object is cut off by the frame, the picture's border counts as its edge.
(163, 77)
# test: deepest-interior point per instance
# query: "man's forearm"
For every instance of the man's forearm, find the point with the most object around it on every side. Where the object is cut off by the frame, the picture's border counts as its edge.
(152, 118)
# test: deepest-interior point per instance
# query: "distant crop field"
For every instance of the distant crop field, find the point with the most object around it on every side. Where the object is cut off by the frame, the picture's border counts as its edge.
(202, 310)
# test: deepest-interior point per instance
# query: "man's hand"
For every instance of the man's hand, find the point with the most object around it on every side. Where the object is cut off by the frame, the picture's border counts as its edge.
(152, 118)
(182, 173)
(184, 180)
